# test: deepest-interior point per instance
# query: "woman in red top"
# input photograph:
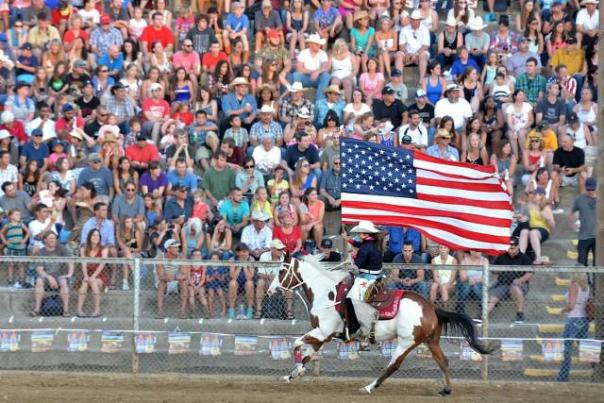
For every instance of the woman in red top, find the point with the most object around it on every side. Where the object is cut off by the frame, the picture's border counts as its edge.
(312, 212)
(94, 275)
(288, 233)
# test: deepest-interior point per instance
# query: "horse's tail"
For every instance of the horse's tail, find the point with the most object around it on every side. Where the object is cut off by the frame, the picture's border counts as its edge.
(461, 324)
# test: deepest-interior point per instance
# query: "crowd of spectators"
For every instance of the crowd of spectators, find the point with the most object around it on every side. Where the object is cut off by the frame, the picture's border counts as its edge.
(142, 128)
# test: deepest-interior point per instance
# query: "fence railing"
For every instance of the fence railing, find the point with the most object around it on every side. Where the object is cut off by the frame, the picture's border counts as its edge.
(211, 330)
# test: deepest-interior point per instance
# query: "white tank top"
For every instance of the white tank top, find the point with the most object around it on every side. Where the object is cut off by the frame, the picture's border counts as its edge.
(586, 115)
(578, 136)
(341, 68)
(579, 309)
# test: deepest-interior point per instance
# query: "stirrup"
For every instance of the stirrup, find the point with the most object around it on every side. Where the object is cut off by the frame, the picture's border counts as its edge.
(372, 333)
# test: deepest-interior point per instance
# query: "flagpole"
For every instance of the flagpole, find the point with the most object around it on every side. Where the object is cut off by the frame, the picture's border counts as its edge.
(599, 277)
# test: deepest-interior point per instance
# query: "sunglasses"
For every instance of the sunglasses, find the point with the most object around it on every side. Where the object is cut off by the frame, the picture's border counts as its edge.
(305, 165)
(38, 135)
(130, 190)
(336, 163)
(249, 166)
(535, 141)
(103, 115)
(103, 71)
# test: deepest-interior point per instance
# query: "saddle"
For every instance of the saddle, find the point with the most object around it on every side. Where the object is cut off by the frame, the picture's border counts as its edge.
(385, 301)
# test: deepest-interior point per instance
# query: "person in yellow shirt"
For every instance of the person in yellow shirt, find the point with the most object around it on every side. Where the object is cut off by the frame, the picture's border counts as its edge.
(550, 140)
(40, 35)
(571, 56)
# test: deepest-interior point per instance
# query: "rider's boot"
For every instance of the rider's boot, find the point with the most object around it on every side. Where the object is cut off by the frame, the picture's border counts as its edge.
(353, 327)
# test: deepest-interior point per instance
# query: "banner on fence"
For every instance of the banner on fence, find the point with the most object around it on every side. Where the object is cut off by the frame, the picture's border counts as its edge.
(145, 343)
(388, 347)
(112, 341)
(552, 350)
(41, 341)
(179, 342)
(280, 349)
(9, 341)
(348, 351)
(589, 351)
(512, 350)
(77, 342)
(468, 354)
(210, 344)
(246, 345)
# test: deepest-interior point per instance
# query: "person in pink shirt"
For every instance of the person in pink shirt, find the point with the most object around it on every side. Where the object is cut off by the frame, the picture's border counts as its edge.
(156, 111)
(201, 209)
(187, 59)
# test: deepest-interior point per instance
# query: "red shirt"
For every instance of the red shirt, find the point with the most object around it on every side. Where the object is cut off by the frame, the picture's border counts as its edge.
(18, 131)
(185, 117)
(142, 154)
(162, 35)
(289, 240)
(61, 124)
(157, 108)
(70, 36)
(57, 15)
(209, 61)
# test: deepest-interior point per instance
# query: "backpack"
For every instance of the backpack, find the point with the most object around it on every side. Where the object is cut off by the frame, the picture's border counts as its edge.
(52, 306)
(273, 307)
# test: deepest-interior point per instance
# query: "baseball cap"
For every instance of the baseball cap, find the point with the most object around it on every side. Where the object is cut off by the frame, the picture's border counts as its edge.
(514, 241)
(80, 64)
(396, 73)
(277, 244)
(420, 93)
(591, 184)
(105, 19)
(67, 108)
(155, 87)
(387, 90)
(37, 132)
(179, 186)
(4, 134)
(141, 137)
(94, 157)
(26, 45)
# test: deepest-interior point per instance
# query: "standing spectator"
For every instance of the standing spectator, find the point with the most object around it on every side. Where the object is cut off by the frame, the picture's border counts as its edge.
(169, 272)
(14, 236)
(576, 325)
(469, 284)
(241, 279)
(443, 279)
(411, 279)
(585, 206)
(94, 275)
(512, 283)
(54, 275)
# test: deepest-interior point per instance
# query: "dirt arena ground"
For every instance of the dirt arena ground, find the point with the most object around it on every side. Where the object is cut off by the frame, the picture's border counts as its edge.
(24, 387)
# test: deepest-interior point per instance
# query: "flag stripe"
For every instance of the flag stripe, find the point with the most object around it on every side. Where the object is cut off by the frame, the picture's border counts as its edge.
(489, 188)
(461, 201)
(475, 231)
(461, 211)
(422, 173)
(464, 194)
(452, 168)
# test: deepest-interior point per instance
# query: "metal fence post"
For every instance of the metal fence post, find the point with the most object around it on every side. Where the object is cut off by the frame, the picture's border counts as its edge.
(484, 366)
(135, 313)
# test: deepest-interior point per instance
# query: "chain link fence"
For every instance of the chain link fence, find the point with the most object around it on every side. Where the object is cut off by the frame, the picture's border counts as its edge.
(207, 328)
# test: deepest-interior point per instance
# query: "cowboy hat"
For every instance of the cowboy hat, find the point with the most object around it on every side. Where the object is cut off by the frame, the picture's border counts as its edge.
(451, 21)
(76, 134)
(4, 134)
(277, 244)
(365, 226)
(267, 87)
(297, 87)
(416, 15)
(259, 216)
(359, 15)
(266, 109)
(444, 133)
(586, 2)
(476, 24)
(452, 87)
(315, 38)
(239, 81)
(303, 113)
(333, 88)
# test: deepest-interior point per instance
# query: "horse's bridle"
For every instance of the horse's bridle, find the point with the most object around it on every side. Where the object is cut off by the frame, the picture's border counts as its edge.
(292, 275)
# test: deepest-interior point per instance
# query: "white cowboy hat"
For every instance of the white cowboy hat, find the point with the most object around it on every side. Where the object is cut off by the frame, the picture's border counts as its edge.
(585, 2)
(266, 109)
(315, 38)
(259, 216)
(333, 88)
(366, 226)
(451, 21)
(155, 87)
(416, 15)
(476, 24)
(303, 113)
(277, 244)
(239, 81)
(297, 87)
(76, 133)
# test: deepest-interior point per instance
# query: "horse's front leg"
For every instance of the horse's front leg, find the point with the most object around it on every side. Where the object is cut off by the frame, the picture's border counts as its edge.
(304, 347)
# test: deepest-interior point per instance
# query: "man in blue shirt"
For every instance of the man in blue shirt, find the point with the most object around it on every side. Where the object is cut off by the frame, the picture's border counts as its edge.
(179, 175)
(462, 63)
(114, 60)
(235, 211)
(179, 207)
(333, 102)
(35, 149)
(100, 176)
(239, 102)
(104, 225)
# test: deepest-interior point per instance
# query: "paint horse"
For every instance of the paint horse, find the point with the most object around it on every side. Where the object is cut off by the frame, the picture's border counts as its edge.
(417, 320)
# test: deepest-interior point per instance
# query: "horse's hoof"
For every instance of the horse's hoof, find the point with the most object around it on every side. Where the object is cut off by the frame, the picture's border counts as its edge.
(366, 390)
(287, 378)
(445, 392)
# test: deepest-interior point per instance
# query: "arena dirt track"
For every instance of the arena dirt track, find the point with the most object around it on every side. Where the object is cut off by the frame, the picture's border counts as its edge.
(73, 387)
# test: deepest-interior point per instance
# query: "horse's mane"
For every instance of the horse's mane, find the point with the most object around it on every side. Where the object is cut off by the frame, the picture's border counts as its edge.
(324, 269)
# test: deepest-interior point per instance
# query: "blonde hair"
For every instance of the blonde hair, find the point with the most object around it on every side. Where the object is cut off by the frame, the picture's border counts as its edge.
(339, 46)
(580, 279)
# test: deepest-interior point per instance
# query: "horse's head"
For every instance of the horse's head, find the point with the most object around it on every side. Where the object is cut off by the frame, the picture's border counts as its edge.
(288, 277)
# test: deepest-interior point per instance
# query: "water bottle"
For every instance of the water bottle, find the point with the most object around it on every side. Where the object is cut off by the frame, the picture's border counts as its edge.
(241, 312)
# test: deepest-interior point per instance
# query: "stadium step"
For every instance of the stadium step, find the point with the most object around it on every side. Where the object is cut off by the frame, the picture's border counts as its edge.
(562, 282)
(557, 328)
(541, 360)
(552, 373)
(558, 298)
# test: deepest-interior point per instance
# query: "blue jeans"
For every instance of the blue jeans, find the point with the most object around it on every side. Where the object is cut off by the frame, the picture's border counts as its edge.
(464, 292)
(574, 328)
(320, 83)
(420, 288)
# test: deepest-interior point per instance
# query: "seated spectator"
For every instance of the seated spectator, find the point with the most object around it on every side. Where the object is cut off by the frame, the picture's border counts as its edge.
(389, 109)
(327, 21)
(463, 62)
(266, 20)
(313, 66)
(415, 130)
(301, 180)
(331, 102)
(202, 136)
(455, 106)
(414, 44)
(52, 275)
(513, 284)
(516, 63)
(519, 117)
(235, 210)
(312, 212)
(572, 56)
(241, 279)
(180, 174)
(239, 102)
(249, 179)
(412, 279)
(442, 148)
(267, 156)
(218, 180)
(288, 233)
(448, 43)
(327, 251)
(569, 165)
(100, 176)
(257, 235)
(541, 223)
(303, 149)
(477, 41)
(551, 110)
(167, 273)
(533, 158)
(469, 282)
(266, 127)
(35, 149)
(179, 207)
(292, 105)
(94, 276)
(266, 275)
(531, 82)
(443, 282)
(42, 223)
(129, 205)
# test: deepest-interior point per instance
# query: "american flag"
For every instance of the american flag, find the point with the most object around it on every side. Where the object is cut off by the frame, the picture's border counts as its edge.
(460, 205)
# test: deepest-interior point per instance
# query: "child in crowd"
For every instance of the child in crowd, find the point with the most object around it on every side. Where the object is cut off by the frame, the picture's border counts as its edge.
(184, 23)
(15, 235)
(197, 280)
(137, 24)
(261, 203)
(237, 133)
(215, 284)
(200, 208)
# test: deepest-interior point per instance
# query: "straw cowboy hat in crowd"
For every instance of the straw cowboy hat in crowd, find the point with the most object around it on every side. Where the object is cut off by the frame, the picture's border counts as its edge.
(366, 227)
(239, 81)
(315, 38)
